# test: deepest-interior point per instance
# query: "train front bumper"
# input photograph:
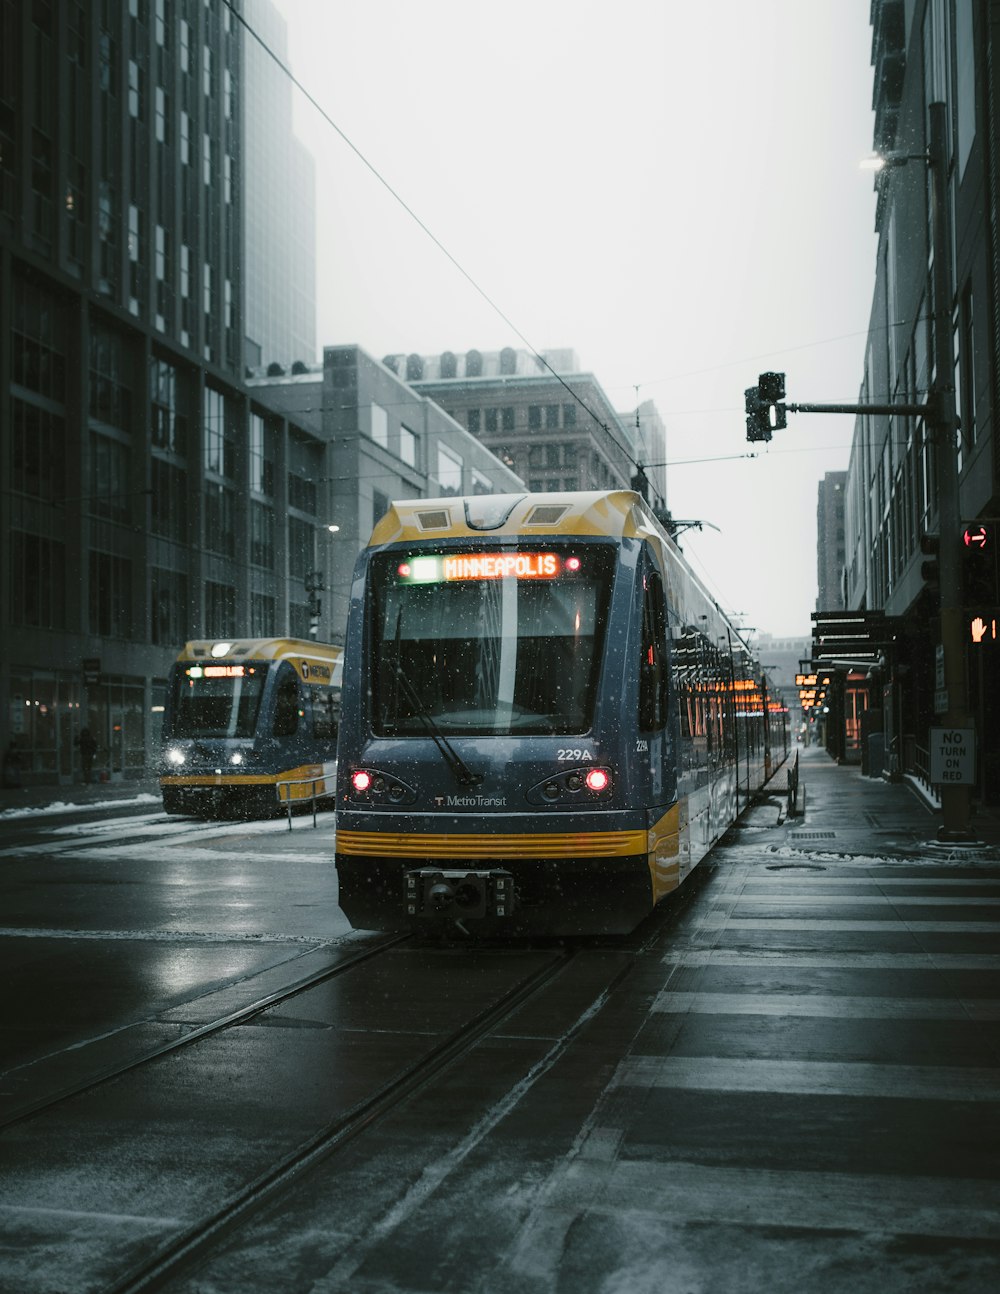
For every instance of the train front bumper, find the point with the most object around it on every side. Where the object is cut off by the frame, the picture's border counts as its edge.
(562, 882)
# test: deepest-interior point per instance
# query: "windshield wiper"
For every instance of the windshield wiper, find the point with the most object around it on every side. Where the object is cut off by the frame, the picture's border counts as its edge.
(452, 758)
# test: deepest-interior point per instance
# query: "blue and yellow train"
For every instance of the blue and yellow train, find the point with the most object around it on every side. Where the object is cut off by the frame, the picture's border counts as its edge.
(246, 719)
(547, 721)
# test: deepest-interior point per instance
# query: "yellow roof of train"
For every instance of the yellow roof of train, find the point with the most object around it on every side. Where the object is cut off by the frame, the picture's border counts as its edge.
(615, 513)
(258, 649)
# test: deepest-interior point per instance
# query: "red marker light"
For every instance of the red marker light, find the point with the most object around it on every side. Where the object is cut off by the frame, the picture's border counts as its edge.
(598, 780)
(361, 780)
(404, 569)
(572, 563)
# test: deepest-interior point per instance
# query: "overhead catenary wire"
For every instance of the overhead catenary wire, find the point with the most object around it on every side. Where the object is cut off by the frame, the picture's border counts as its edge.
(425, 228)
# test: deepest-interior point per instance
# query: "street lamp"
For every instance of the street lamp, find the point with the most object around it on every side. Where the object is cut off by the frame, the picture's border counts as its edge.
(942, 424)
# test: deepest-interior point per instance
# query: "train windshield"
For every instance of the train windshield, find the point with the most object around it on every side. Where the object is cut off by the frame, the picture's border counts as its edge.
(216, 700)
(490, 642)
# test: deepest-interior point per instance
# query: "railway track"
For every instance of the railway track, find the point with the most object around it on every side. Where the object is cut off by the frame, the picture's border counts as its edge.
(188, 1248)
(182, 1155)
(230, 1020)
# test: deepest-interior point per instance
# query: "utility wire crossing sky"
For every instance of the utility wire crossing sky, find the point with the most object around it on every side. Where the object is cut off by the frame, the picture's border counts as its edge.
(671, 190)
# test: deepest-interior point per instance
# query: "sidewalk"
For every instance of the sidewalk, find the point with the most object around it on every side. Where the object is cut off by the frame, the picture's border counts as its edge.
(870, 814)
(39, 798)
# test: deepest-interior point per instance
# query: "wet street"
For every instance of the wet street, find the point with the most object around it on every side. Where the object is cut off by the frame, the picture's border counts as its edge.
(787, 1080)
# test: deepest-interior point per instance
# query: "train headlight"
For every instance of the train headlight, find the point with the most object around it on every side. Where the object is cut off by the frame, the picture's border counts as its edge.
(598, 779)
(176, 757)
(236, 757)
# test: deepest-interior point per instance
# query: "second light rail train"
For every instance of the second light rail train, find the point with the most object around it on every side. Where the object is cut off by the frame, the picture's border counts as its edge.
(547, 721)
(246, 719)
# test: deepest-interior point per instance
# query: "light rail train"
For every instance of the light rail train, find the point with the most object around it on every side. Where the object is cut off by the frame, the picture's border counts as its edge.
(242, 716)
(547, 720)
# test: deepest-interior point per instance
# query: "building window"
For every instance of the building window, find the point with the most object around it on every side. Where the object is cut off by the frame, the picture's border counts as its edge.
(414, 368)
(38, 452)
(261, 456)
(220, 519)
(37, 581)
(473, 363)
(449, 365)
(474, 418)
(169, 500)
(408, 446)
(507, 419)
(220, 610)
(491, 419)
(449, 470)
(298, 619)
(110, 595)
(551, 417)
(261, 535)
(569, 415)
(508, 360)
(261, 615)
(109, 478)
(168, 427)
(303, 468)
(110, 397)
(301, 547)
(168, 607)
(219, 436)
(380, 426)
(534, 417)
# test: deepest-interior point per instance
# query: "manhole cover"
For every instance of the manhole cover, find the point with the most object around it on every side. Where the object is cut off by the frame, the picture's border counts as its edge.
(795, 867)
(814, 835)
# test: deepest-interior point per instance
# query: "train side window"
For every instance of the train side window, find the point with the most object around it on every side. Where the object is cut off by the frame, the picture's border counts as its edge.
(326, 712)
(286, 709)
(653, 672)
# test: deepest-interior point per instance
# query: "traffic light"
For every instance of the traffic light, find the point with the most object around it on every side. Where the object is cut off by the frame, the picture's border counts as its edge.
(771, 388)
(758, 416)
(930, 571)
(765, 412)
(979, 566)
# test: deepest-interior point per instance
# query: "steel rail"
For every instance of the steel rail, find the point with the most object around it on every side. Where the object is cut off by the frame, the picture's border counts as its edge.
(198, 1240)
(239, 1017)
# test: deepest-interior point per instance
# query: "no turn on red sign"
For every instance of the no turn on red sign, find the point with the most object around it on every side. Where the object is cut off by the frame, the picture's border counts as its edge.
(952, 756)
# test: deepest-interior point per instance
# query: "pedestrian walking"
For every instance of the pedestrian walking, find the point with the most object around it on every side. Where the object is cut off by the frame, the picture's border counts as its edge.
(88, 748)
(12, 766)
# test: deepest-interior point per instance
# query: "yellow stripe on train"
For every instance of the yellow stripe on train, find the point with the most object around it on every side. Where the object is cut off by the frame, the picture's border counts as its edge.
(581, 844)
(306, 772)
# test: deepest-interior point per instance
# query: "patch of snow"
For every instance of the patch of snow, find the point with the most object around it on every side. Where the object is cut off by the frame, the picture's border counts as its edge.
(61, 806)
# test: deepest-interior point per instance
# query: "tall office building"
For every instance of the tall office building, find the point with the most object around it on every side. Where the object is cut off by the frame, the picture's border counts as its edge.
(927, 52)
(279, 203)
(830, 542)
(145, 496)
(554, 425)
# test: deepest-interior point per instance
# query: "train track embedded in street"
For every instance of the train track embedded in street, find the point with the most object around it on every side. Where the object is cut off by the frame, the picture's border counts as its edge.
(197, 1241)
(228, 1021)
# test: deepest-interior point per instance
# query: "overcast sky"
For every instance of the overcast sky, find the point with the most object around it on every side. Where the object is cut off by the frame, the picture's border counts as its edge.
(670, 189)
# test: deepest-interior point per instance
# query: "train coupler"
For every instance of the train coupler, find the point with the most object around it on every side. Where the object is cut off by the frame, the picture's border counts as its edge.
(454, 895)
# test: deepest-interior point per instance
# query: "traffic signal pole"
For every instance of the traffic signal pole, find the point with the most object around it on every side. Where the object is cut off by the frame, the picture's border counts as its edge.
(766, 410)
